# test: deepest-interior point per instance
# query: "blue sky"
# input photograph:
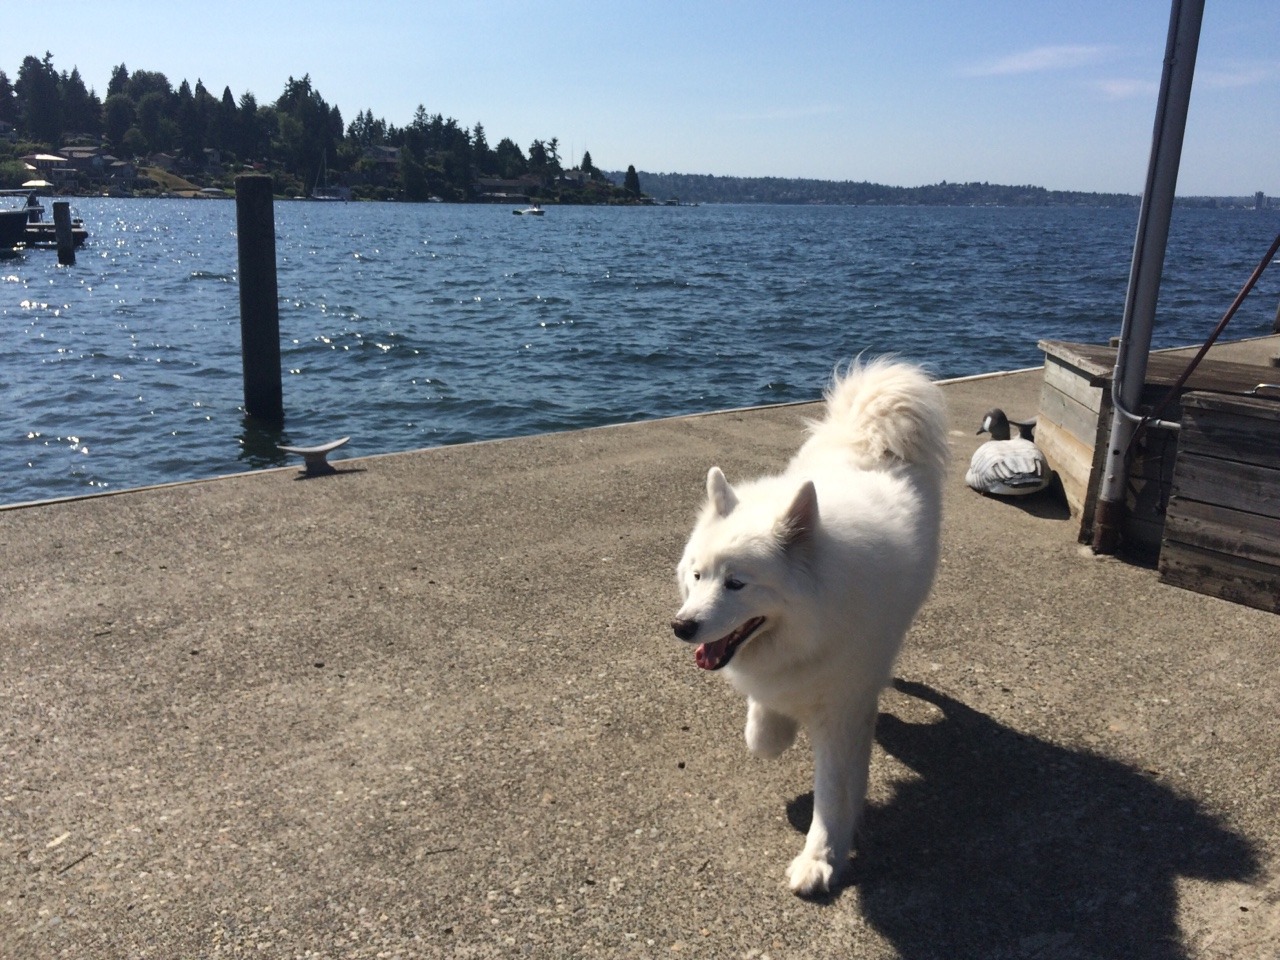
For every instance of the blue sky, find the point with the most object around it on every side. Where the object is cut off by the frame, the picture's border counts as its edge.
(898, 92)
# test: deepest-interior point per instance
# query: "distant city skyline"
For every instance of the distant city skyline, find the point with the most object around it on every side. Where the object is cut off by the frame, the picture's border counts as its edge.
(902, 94)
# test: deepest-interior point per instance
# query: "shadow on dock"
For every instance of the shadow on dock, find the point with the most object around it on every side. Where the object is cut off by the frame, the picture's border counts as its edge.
(1004, 840)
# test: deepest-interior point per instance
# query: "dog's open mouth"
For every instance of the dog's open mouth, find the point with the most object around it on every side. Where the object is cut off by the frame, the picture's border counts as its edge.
(717, 653)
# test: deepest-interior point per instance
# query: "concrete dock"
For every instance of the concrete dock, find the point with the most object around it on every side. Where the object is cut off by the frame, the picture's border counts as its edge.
(430, 706)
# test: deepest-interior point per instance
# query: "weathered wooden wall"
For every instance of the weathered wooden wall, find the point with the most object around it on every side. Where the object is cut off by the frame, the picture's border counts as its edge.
(1222, 526)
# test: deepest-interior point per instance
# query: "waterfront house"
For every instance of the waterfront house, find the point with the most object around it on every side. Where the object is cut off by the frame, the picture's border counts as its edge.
(386, 158)
(52, 167)
(121, 175)
(88, 165)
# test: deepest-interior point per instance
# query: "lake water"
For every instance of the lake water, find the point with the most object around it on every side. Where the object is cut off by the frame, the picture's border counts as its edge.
(408, 326)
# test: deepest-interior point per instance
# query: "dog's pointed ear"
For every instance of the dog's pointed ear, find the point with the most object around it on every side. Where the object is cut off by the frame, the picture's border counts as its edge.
(720, 493)
(801, 518)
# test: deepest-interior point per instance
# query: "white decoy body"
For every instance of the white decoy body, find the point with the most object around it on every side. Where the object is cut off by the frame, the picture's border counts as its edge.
(1008, 466)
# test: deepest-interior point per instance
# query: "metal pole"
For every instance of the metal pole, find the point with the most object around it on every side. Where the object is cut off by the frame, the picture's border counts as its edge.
(1148, 264)
(259, 308)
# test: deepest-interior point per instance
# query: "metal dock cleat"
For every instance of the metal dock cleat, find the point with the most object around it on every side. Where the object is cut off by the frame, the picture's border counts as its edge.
(314, 457)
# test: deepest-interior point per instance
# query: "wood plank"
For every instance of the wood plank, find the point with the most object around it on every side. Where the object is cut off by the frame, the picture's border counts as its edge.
(1222, 529)
(1071, 383)
(1096, 471)
(1239, 486)
(1163, 369)
(1227, 436)
(1232, 578)
(1071, 459)
(1091, 360)
(1155, 457)
(1265, 407)
(1077, 419)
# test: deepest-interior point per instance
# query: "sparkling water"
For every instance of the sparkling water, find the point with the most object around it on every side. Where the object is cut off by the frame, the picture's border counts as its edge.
(408, 326)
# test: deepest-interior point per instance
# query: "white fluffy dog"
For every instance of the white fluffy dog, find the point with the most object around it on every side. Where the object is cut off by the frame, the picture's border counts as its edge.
(801, 586)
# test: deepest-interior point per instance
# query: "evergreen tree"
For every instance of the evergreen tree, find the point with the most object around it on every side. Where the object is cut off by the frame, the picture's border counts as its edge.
(223, 134)
(119, 82)
(206, 109)
(143, 82)
(8, 100)
(538, 158)
(190, 130)
(158, 131)
(361, 130)
(480, 151)
(117, 117)
(39, 100)
(631, 183)
(266, 127)
(252, 142)
(413, 176)
(81, 108)
(307, 128)
(509, 159)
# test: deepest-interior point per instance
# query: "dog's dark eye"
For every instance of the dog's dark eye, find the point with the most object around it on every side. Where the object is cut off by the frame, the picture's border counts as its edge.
(697, 575)
(733, 583)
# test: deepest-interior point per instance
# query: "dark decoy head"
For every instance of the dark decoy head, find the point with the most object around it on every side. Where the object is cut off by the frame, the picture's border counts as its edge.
(998, 425)
(995, 423)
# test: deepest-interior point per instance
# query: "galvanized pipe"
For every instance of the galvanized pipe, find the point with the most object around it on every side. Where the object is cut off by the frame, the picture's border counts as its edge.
(1147, 264)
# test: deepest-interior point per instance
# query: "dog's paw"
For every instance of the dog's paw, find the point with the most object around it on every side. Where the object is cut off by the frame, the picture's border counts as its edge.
(810, 876)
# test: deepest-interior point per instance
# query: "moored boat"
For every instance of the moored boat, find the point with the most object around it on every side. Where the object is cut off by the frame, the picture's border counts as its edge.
(32, 229)
(13, 228)
(44, 233)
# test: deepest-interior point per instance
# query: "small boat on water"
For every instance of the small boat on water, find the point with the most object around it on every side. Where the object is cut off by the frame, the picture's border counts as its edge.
(45, 234)
(27, 227)
(322, 190)
(532, 211)
(13, 228)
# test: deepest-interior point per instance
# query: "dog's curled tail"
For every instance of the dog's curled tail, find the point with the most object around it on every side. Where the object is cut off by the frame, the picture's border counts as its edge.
(887, 411)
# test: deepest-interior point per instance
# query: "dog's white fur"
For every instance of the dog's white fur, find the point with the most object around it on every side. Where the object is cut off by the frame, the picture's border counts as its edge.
(836, 555)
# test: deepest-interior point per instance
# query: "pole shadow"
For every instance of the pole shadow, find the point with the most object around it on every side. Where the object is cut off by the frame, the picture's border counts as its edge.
(1007, 846)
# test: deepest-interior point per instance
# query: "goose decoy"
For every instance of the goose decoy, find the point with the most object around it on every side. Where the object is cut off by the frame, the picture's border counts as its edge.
(1008, 466)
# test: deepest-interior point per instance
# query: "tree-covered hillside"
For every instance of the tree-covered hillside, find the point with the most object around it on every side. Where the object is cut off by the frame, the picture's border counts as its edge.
(144, 123)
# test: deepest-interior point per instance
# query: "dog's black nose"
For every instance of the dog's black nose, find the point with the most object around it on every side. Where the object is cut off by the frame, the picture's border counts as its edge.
(684, 629)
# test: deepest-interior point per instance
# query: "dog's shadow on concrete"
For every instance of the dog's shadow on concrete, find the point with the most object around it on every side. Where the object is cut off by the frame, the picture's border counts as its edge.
(1009, 846)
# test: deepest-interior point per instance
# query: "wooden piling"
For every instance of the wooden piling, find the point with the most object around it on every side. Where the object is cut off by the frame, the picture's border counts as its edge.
(62, 231)
(259, 308)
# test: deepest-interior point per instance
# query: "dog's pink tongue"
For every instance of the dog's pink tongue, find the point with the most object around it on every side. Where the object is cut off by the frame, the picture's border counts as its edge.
(708, 655)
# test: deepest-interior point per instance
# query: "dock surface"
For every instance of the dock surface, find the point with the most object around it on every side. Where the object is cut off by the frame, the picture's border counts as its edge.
(430, 706)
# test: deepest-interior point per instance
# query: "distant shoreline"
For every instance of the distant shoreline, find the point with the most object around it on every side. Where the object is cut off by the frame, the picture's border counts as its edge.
(709, 188)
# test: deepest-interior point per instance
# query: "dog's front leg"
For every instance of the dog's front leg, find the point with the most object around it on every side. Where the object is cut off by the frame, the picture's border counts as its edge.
(841, 758)
(768, 732)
